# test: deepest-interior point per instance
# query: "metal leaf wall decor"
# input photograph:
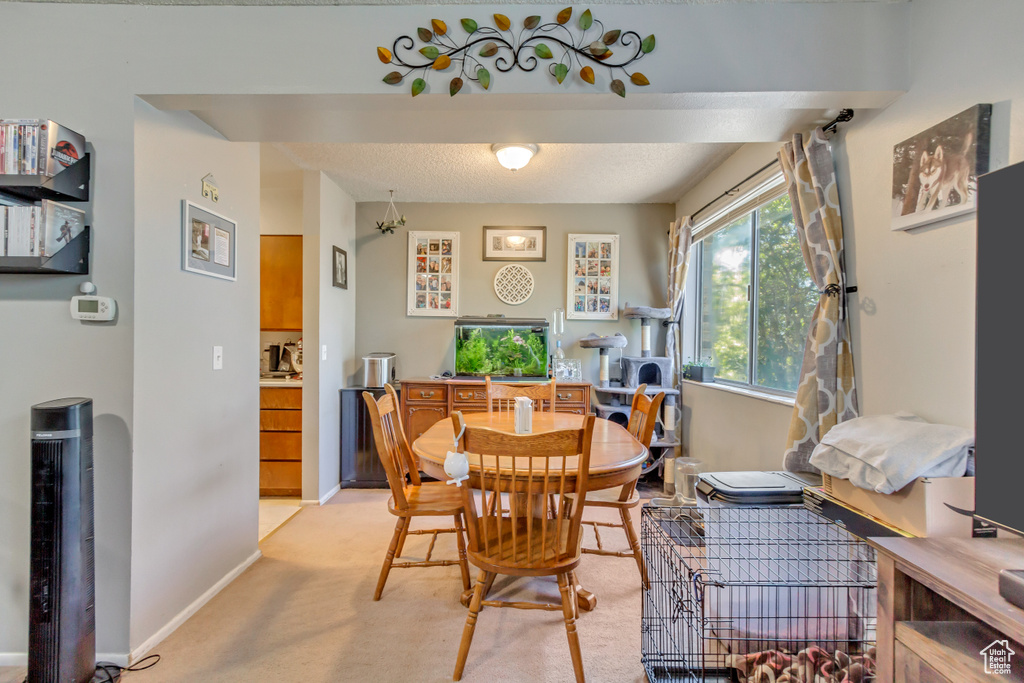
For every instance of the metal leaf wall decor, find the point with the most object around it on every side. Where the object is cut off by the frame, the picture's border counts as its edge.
(564, 46)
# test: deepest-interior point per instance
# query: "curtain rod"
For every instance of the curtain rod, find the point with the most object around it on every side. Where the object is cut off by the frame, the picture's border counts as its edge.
(844, 116)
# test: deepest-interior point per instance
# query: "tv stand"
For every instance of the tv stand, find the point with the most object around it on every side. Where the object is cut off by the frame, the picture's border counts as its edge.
(940, 615)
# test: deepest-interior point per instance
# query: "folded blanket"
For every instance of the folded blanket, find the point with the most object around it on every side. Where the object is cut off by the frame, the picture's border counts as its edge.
(810, 665)
(884, 453)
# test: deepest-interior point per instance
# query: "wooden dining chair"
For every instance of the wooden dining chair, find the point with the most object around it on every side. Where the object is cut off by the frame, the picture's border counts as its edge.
(411, 497)
(527, 542)
(643, 414)
(502, 397)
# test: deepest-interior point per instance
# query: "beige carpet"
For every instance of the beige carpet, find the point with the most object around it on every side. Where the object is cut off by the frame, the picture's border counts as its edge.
(304, 612)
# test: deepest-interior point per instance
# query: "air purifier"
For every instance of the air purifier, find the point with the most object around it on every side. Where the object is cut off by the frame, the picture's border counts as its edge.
(62, 619)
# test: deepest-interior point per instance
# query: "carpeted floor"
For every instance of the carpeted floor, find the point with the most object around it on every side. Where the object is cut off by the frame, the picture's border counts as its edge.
(304, 612)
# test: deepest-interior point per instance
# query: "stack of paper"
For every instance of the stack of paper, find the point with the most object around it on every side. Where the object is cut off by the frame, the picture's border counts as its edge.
(524, 415)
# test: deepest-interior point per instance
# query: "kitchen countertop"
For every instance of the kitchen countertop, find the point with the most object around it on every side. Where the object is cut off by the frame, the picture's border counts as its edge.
(281, 382)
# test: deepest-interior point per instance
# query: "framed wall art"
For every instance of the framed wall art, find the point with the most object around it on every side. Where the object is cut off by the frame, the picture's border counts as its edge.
(507, 243)
(935, 173)
(208, 242)
(593, 277)
(433, 274)
(340, 278)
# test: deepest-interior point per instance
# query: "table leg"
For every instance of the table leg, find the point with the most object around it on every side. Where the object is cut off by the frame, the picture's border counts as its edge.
(586, 600)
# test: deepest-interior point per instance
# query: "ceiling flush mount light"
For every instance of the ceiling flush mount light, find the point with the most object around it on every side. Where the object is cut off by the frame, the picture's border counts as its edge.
(392, 219)
(514, 156)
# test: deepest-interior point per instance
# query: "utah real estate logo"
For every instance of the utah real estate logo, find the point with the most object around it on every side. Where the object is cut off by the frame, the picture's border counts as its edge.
(997, 657)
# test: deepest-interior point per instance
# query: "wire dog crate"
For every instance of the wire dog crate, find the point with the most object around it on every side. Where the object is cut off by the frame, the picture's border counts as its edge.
(755, 594)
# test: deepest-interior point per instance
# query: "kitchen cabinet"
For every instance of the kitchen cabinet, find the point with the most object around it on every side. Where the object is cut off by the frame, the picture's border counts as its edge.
(281, 282)
(426, 401)
(280, 441)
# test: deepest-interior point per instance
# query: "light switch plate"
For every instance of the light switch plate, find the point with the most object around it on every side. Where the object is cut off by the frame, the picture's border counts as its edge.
(218, 357)
(323, 352)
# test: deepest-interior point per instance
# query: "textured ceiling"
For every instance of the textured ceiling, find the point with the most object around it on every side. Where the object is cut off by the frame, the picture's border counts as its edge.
(470, 173)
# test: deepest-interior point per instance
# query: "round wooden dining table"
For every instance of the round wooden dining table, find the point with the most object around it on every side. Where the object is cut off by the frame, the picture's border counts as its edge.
(615, 456)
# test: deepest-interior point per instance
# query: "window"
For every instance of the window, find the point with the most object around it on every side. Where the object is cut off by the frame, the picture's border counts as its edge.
(755, 297)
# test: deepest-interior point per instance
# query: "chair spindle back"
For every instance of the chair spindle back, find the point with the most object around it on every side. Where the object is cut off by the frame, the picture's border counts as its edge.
(644, 414)
(502, 397)
(529, 469)
(392, 448)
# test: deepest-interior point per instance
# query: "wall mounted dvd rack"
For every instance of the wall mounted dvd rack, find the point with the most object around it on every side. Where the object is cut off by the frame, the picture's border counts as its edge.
(70, 185)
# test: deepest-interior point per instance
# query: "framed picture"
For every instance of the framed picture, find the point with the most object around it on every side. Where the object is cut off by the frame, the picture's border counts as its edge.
(506, 243)
(207, 242)
(340, 268)
(592, 289)
(433, 274)
(567, 369)
(935, 173)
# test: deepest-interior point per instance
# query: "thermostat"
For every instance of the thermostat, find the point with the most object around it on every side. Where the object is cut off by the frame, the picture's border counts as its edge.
(93, 308)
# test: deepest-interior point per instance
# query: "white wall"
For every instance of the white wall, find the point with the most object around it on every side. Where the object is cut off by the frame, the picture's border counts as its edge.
(195, 472)
(328, 319)
(426, 346)
(912, 318)
(337, 324)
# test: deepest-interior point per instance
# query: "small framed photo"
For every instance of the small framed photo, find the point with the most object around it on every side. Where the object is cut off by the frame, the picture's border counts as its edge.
(208, 242)
(935, 173)
(567, 369)
(507, 243)
(340, 268)
(593, 277)
(433, 277)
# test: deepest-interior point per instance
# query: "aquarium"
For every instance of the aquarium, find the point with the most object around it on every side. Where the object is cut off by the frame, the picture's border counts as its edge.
(501, 347)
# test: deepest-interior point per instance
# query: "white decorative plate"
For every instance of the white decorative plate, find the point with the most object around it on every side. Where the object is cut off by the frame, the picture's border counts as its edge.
(513, 284)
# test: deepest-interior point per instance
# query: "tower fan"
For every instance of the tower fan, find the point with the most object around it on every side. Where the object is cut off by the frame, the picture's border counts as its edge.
(62, 619)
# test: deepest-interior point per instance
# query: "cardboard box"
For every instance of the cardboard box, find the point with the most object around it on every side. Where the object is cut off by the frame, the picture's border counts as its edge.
(918, 508)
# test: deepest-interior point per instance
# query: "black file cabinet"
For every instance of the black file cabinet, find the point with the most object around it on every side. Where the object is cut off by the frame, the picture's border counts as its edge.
(360, 464)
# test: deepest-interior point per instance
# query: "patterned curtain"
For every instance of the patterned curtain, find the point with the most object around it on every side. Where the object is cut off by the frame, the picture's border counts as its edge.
(827, 393)
(679, 241)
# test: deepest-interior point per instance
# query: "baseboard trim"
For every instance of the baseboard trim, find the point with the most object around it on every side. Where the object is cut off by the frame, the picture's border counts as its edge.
(326, 497)
(21, 658)
(182, 616)
(330, 494)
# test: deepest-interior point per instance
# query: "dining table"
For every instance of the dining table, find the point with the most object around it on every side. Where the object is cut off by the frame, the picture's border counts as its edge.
(616, 457)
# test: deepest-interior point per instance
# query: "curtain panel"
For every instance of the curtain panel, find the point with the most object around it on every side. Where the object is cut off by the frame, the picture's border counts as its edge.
(826, 394)
(679, 242)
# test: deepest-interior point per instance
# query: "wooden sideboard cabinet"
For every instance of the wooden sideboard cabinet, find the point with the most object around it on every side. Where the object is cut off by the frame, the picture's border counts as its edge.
(940, 614)
(425, 401)
(280, 441)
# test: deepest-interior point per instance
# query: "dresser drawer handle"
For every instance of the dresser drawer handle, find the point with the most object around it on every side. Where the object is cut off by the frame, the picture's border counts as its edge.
(424, 394)
(564, 397)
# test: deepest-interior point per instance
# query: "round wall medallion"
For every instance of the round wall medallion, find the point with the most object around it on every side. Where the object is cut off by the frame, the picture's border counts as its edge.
(513, 284)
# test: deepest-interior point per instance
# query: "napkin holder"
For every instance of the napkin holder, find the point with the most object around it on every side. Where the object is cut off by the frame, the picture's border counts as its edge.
(523, 415)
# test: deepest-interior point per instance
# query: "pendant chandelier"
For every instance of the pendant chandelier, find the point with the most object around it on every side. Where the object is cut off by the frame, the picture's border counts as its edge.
(392, 219)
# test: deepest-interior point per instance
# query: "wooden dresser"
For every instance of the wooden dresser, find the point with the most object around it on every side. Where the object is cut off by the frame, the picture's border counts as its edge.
(939, 608)
(425, 401)
(280, 441)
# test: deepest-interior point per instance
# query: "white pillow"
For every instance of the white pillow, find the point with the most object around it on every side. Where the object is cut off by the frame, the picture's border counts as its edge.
(884, 453)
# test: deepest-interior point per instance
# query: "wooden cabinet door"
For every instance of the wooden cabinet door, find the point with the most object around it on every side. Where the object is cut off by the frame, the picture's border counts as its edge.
(419, 418)
(281, 282)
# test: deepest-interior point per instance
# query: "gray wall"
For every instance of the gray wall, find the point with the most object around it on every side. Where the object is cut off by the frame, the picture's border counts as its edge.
(425, 346)
(912, 318)
(195, 472)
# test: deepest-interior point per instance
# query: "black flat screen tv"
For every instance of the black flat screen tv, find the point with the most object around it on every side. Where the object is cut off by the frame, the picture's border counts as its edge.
(999, 408)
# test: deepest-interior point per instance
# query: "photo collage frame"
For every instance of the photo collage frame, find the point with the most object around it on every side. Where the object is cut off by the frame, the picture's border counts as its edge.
(433, 274)
(593, 281)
